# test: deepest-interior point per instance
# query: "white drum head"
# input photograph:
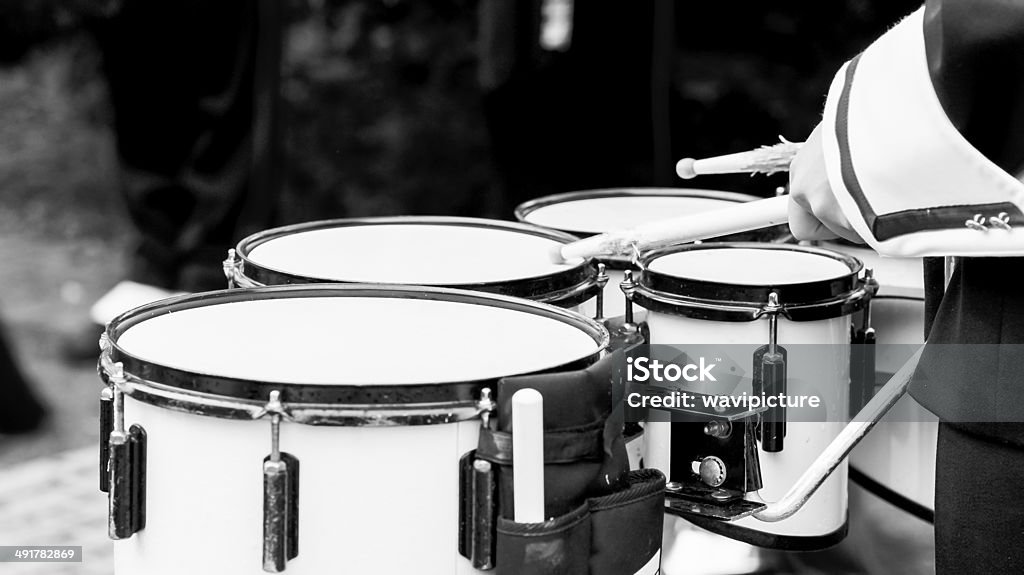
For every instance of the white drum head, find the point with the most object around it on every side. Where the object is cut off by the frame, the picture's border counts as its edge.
(750, 266)
(356, 341)
(603, 214)
(413, 253)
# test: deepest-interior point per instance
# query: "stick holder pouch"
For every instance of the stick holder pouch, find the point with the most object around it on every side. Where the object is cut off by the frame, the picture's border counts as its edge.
(615, 534)
(588, 486)
(626, 526)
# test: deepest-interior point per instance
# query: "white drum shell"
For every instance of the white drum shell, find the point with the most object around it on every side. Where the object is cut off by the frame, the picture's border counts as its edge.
(899, 453)
(825, 512)
(372, 500)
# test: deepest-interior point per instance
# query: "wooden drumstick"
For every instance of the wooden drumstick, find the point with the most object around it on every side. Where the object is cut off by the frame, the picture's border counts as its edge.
(741, 217)
(528, 456)
(766, 159)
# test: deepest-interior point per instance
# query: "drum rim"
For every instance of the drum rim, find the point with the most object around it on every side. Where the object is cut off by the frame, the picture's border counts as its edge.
(803, 301)
(566, 287)
(526, 208)
(225, 396)
(523, 210)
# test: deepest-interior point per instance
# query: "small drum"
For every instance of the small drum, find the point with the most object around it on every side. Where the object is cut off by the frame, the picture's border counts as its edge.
(593, 212)
(374, 390)
(764, 295)
(463, 253)
(896, 461)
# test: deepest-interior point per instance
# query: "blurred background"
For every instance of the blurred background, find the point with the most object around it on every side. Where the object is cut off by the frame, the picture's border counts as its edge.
(341, 108)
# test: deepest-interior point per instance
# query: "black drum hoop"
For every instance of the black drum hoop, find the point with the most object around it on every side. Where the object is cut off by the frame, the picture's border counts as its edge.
(195, 392)
(719, 301)
(566, 288)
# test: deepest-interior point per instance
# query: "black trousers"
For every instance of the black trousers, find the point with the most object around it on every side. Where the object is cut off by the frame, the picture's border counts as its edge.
(979, 513)
(181, 77)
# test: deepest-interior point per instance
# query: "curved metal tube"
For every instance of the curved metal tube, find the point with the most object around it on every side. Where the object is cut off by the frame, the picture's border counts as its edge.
(848, 438)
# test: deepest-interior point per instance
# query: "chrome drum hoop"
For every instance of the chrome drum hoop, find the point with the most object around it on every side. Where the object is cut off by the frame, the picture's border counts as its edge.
(567, 288)
(450, 401)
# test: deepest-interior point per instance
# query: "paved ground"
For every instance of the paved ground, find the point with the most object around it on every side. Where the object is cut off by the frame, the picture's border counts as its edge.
(54, 500)
(62, 237)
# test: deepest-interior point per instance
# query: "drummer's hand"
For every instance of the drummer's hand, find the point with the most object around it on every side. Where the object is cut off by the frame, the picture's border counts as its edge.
(814, 213)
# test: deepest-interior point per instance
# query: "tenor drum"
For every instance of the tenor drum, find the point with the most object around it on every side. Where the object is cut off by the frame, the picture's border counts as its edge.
(375, 390)
(732, 294)
(592, 212)
(462, 253)
(896, 461)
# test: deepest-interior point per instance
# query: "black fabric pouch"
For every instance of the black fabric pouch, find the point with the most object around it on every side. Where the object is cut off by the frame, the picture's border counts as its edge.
(584, 451)
(626, 526)
(558, 546)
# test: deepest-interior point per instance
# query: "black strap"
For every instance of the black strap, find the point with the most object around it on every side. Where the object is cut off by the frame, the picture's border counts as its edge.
(564, 446)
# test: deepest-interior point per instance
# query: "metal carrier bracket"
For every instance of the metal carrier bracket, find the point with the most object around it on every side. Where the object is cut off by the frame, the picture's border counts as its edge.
(601, 280)
(628, 330)
(714, 465)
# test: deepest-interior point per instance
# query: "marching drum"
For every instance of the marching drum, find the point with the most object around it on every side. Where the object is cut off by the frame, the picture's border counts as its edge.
(375, 390)
(464, 253)
(896, 461)
(791, 300)
(592, 212)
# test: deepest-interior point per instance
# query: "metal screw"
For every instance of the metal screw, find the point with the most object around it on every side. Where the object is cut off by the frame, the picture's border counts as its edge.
(720, 429)
(721, 495)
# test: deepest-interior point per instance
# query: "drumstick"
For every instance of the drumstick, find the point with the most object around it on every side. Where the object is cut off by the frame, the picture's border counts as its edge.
(766, 160)
(528, 455)
(741, 217)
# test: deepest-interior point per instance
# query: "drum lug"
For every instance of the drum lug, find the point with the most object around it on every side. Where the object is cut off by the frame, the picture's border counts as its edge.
(769, 372)
(106, 368)
(231, 268)
(478, 499)
(106, 428)
(485, 406)
(478, 511)
(602, 280)
(280, 495)
(862, 356)
(126, 479)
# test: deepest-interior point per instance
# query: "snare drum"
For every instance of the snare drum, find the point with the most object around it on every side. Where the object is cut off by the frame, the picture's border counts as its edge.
(733, 293)
(374, 390)
(463, 253)
(592, 212)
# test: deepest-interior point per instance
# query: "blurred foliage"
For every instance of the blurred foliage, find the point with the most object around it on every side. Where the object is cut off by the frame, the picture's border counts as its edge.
(27, 23)
(383, 114)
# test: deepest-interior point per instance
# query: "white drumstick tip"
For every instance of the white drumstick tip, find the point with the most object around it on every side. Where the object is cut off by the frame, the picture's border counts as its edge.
(685, 169)
(528, 456)
(555, 255)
